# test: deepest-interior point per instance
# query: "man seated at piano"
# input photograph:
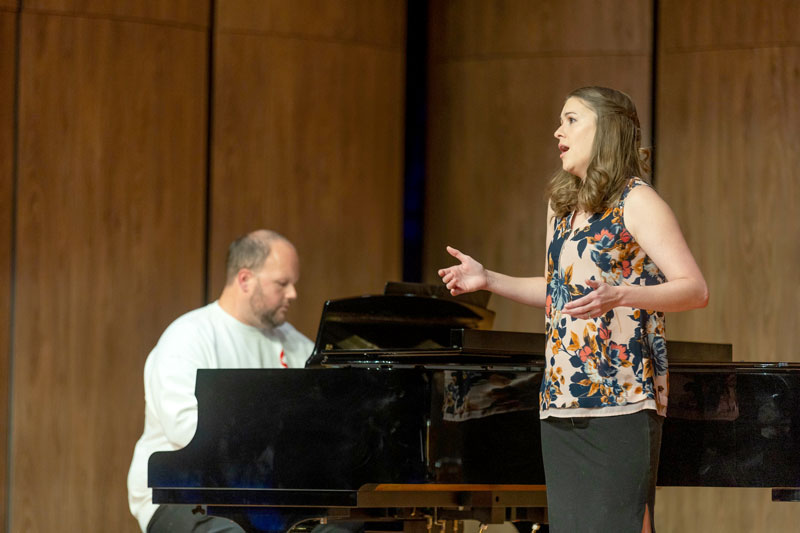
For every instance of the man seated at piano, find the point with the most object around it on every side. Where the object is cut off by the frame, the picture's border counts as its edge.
(616, 260)
(245, 328)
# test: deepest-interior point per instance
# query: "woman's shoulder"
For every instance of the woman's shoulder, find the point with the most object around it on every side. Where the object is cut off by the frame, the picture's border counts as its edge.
(643, 206)
(639, 191)
(636, 182)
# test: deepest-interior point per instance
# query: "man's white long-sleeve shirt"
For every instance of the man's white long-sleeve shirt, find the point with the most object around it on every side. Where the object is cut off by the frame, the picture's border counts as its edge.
(204, 338)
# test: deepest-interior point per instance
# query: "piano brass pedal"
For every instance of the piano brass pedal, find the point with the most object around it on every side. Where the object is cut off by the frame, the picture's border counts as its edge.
(415, 526)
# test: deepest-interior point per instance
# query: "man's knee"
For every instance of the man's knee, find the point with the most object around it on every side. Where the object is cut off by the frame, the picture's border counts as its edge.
(189, 519)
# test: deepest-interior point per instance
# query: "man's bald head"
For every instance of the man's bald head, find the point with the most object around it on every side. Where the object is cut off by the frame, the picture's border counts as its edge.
(250, 251)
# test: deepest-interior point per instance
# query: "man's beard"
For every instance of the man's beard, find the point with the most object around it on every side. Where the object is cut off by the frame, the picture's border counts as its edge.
(268, 317)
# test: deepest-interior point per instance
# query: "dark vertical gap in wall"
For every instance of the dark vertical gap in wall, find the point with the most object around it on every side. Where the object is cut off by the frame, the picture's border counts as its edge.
(12, 257)
(415, 139)
(654, 93)
(209, 147)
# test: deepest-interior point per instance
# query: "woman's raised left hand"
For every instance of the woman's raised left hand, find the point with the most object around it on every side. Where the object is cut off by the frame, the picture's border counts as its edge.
(599, 301)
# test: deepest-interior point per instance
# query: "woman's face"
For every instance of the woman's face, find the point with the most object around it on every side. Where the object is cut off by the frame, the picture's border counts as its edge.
(575, 136)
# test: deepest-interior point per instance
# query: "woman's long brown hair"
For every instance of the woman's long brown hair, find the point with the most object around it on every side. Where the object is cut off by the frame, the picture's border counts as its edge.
(616, 155)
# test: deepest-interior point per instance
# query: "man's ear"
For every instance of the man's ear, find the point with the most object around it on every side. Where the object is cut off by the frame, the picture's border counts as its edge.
(245, 279)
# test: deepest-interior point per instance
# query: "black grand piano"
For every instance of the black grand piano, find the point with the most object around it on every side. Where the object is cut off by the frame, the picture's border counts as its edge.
(413, 415)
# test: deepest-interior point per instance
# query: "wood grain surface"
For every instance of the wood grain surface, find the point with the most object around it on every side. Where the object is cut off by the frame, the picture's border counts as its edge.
(171, 12)
(8, 25)
(112, 144)
(308, 141)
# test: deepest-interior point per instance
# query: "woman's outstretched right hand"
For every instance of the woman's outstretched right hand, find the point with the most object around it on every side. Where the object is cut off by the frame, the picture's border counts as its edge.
(467, 276)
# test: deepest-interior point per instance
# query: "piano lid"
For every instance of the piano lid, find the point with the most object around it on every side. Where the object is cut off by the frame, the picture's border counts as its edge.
(408, 320)
(405, 288)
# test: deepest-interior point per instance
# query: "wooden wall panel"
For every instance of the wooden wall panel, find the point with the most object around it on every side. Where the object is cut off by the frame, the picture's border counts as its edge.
(499, 73)
(728, 510)
(707, 25)
(520, 28)
(730, 114)
(308, 141)
(190, 12)
(112, 150)
(374, 23)
(728, 119)
(728, 105)
(8, 25)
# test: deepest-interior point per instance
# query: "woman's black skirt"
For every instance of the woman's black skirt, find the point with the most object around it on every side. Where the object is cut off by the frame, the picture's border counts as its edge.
(601, 471)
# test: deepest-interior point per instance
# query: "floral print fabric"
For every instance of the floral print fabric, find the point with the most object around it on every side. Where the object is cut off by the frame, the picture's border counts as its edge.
(615, 363)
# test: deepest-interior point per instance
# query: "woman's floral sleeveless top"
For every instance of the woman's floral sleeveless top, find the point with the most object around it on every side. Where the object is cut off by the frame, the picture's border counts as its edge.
(615, 363)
